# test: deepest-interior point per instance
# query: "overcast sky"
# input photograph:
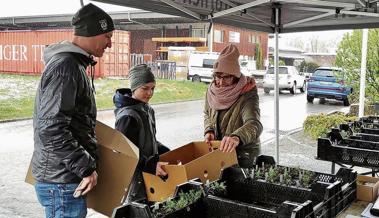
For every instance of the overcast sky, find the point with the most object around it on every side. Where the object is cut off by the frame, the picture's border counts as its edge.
(10, 8)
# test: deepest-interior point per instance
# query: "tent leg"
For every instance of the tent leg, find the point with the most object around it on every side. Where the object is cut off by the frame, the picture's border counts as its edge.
(276, 71)
(363, 73)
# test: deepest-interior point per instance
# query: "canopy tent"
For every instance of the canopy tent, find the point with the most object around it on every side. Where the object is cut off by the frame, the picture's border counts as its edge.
(271, 16)
(294, 15)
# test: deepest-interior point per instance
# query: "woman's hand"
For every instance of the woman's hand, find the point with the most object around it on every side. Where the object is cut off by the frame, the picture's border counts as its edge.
(209, 136)
(229, 143)
(160, 169)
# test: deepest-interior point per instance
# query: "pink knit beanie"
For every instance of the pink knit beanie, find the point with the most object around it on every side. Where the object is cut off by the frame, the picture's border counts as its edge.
(227, 61)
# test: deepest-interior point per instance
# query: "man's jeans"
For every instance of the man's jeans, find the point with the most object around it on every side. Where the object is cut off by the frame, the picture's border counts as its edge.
(59, 202)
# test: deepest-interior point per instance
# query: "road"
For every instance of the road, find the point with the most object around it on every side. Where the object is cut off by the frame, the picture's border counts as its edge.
(177, 124)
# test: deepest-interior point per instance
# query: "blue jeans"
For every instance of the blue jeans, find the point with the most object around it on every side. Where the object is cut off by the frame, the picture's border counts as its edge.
(59, 202)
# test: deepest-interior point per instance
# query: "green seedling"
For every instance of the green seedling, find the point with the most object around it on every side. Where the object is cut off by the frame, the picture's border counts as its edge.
(184, 200)
(217, 188)
(272, 175)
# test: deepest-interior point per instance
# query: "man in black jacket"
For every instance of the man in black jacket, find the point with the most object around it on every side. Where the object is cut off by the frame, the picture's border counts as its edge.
(65, 145)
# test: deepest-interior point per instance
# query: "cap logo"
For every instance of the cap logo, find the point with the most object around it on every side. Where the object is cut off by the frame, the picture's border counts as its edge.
(103, 24)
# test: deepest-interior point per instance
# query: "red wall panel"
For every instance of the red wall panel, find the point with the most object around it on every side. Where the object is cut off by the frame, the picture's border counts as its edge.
(22, 51)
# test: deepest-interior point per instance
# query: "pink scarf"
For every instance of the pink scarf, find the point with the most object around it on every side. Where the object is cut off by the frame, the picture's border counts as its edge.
(221, 98)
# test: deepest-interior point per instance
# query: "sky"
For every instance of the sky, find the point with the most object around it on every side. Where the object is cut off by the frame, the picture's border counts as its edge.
(12, 8)
(331, 39)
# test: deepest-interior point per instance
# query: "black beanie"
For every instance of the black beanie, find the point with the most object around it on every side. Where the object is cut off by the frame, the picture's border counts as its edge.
(91, 20)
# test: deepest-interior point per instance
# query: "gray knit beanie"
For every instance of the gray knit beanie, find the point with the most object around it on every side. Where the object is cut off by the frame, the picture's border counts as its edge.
(140, 75)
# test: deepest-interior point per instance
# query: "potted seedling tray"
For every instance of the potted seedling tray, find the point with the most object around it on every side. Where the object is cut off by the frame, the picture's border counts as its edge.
(187, 203)
(254, 195)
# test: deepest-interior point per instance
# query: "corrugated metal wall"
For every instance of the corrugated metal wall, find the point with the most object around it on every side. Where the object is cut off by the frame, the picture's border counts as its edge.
(22, 52)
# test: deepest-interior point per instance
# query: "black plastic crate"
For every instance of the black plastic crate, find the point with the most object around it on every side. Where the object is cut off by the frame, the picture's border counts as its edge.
(360, 127)
(369, 119)
(143, 209)
(356, 152)
(217, 207)
(328, 195)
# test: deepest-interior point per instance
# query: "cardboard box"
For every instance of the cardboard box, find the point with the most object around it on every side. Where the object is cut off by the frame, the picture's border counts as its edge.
(193, 160)
(118, 160)
(367, 188)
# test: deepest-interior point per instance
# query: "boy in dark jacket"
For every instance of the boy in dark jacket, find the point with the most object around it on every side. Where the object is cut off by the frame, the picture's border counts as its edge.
(136, 120)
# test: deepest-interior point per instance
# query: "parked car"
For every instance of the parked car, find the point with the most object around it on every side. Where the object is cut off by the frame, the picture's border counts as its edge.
(328, 83)
(289, 79)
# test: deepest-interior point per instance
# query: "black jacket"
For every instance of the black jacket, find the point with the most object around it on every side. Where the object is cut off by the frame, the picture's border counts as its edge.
(65, 146)
(136, 120)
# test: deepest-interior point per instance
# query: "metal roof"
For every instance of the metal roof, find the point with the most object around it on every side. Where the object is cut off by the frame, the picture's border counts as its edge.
(294, 15)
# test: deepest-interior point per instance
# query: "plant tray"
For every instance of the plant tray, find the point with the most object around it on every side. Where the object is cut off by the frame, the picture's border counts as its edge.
(369, 119)
(144, 209)
(245, 197)
(328, 195)
(349, 151)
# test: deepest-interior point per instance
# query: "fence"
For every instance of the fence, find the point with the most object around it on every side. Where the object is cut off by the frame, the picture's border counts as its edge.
(163, 69)
(136, 59)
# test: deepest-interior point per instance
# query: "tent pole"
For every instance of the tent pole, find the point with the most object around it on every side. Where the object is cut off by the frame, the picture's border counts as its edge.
(276, 71)
(363, 73)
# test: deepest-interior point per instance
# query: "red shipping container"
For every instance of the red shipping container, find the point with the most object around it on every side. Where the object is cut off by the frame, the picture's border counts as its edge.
(21, 52)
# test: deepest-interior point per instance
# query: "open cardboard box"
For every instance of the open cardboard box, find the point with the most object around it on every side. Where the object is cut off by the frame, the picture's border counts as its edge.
(118, 160)
(367, 188)
(193, 160)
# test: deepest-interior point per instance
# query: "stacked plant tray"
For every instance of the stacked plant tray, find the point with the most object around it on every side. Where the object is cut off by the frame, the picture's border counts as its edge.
(355, 144)
(247, 193)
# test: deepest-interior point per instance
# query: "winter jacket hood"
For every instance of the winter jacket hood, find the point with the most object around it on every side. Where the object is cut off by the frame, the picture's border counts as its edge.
(62, 47)
(123, 98)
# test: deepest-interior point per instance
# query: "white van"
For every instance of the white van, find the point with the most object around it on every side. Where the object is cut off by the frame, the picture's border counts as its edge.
(200, 66)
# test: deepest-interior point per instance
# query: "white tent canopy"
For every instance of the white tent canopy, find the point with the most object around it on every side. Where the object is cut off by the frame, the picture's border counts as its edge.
(271, 16)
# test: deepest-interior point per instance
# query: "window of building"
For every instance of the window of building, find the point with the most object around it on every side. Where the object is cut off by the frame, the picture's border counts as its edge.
(234, 37)
(218, 36)
(254, 39)
(198, 33)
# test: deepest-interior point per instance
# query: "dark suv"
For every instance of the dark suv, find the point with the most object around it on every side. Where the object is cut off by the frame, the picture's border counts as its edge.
(328, 83)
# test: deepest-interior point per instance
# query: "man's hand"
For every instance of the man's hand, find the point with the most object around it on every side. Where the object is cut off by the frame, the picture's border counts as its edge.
(87, 183)
(209, 136)
(160, 169)
(228, 144)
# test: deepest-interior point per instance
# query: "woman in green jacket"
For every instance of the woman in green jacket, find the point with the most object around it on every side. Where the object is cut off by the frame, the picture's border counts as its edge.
(231, 112)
